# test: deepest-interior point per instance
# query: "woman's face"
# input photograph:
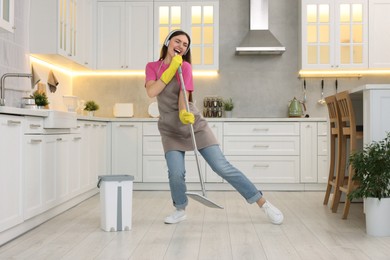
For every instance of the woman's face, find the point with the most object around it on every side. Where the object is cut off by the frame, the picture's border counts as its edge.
(178, 44)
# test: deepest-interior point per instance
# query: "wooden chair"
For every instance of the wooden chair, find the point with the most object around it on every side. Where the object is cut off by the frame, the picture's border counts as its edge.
(349, 132)
(335, 150)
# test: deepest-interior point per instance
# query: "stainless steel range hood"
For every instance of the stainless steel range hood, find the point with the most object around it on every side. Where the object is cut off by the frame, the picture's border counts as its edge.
(259, 39)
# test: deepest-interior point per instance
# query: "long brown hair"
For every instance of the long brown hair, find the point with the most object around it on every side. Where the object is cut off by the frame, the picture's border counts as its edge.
(164, 48)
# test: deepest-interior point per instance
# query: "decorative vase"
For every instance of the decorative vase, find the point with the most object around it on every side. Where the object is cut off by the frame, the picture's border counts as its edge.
(377, 216)
(90, 113)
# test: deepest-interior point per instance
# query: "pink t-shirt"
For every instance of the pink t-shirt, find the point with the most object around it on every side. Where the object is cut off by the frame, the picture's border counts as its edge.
(152, 73)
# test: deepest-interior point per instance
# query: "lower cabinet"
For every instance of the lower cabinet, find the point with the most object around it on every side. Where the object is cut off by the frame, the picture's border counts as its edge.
(266, 152)
(126, 156)
(49, 178)
(11, 189)
(95, 152)
(322, 153)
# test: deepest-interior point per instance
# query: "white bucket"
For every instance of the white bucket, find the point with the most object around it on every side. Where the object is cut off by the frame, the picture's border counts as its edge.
(377, 216)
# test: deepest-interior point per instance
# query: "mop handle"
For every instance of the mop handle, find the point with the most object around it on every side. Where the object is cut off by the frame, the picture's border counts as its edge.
(183, 88)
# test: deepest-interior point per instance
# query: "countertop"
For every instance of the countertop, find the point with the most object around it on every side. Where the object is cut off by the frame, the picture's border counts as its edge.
(46, 112)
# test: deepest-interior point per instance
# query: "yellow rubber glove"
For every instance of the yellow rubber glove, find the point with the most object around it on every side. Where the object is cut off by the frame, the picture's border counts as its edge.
(186, 117)
(168, 74)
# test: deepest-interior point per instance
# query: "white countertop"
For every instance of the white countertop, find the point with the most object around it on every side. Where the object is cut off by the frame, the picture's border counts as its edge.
(46, 112)
(370, 87)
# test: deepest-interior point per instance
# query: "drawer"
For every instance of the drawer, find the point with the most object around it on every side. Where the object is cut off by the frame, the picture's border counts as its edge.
(155, 169)
(152, 145)
(268, 169)
(322, 128)
(33, 125)
(268, 128)
(150, 129)
(270, 145)
(322, 145)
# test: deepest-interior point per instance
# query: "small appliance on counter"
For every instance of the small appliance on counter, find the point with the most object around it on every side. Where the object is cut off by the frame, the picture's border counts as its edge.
(123, 110)
(212, 106)
(29, 103)
(296, 108)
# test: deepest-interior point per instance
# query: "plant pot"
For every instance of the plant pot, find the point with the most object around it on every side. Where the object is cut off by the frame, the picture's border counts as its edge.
(229, 114)
(377, 216)
(90, 113)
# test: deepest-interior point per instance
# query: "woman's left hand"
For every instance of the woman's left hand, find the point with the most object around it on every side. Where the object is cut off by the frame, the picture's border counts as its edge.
(186, 117)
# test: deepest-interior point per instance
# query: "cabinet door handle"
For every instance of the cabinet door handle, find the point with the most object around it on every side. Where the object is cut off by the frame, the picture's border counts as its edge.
(34, 141)
(261, 165)
(77, 138)
(126, 125)
(87, 125)
(59, 139)
(261, 146)
(35, 126)
(260, 129)
(13, 122)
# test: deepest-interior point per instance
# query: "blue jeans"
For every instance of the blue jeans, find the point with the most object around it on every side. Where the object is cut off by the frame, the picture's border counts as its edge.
(218, 163)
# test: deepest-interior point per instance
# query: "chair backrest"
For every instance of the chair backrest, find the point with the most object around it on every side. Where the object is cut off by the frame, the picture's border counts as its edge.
(347, 114)
(334, 115)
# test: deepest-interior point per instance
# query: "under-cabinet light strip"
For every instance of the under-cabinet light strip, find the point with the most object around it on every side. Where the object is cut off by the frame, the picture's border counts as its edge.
(207, 73)
(343, 73)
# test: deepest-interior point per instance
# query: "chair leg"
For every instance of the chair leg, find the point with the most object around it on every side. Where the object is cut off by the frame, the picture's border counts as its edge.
(340, 173)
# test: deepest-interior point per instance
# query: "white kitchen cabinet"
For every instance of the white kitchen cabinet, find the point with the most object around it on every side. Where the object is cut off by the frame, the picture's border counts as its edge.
(85, 44)
(334, 34)
(379, 34)
(309, 148)
(127, 149)
(267, 152)
(322, 152)
(199, 19)
(7, 12)
(62, 159)
(54, 31)
(124, 35)
(11, 129)
(94, 152)
(75, 169)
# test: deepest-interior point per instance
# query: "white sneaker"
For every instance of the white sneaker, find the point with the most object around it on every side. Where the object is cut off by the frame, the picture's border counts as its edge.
(273, 213)
(176, 217)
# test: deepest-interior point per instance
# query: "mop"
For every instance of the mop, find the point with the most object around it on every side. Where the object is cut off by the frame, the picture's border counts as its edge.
(198, 197)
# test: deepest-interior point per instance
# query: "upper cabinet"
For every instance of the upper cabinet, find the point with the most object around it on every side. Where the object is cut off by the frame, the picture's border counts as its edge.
(379, 33)
(334, 34)
(124, 35)
(199, 19)
(56, 30)
(7, 15)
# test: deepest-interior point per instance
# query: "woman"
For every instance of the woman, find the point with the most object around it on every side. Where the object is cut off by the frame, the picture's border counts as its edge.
(162, 81)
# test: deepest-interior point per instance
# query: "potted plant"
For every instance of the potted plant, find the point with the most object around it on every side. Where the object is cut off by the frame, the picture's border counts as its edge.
(91, 106)
(372, 175)
(40, 98)
(228, 106)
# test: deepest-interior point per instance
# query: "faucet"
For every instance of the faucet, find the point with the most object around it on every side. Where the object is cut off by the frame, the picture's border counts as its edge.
(2, 86)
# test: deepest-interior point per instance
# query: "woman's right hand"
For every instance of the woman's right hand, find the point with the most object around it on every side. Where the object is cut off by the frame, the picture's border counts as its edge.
(169, 73)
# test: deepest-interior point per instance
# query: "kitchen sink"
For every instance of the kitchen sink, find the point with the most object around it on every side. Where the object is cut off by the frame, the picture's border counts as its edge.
(60, 119)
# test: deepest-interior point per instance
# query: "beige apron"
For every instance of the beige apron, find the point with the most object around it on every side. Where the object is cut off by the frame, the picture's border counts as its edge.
(174, 134)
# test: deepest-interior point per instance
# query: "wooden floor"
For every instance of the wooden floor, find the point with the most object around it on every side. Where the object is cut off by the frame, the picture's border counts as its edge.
(240, 231)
